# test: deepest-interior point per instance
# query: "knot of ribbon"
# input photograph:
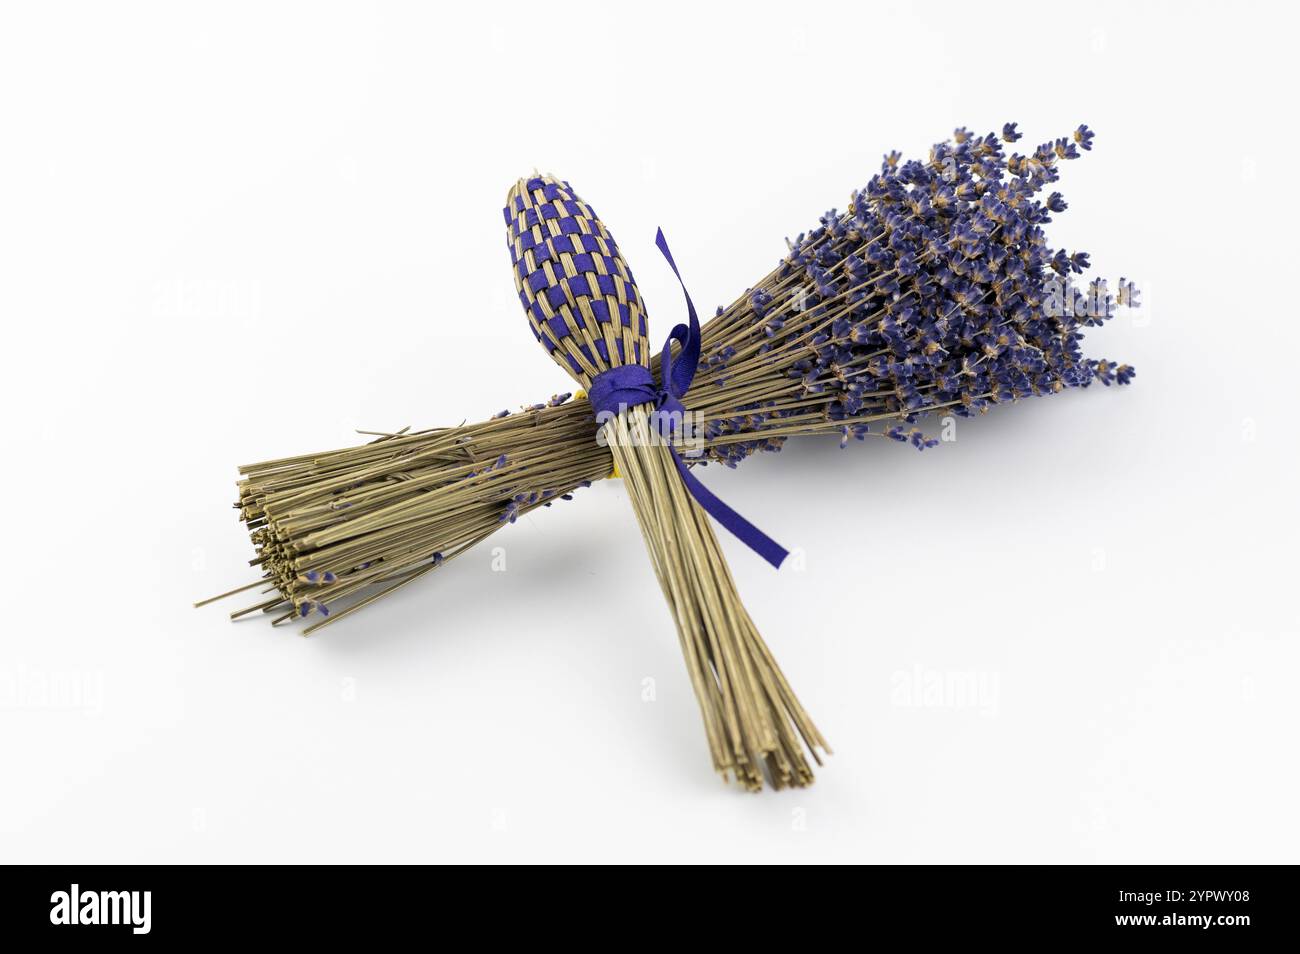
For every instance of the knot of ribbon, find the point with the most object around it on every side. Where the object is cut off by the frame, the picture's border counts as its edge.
(633, 384)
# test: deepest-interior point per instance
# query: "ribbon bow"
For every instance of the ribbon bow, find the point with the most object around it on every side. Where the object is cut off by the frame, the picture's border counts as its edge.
(633, 384)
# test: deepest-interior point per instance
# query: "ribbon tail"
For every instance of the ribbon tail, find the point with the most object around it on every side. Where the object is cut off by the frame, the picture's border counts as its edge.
(677, 377)
(742, 529)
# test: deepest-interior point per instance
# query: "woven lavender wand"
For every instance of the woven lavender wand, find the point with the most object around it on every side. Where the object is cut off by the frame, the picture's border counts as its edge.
(583, 306)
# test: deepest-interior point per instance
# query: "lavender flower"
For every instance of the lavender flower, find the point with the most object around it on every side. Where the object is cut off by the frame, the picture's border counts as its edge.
(936, 289)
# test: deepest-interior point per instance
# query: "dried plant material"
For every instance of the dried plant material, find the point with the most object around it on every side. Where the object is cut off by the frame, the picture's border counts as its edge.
(935, 293)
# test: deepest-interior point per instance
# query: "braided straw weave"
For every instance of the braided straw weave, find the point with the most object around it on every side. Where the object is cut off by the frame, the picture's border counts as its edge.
(583, 306)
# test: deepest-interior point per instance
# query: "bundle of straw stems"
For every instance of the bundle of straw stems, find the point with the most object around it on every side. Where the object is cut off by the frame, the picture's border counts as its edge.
(583, 305)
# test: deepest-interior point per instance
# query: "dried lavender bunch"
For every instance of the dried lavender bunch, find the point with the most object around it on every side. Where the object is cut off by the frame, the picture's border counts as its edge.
(935, 291)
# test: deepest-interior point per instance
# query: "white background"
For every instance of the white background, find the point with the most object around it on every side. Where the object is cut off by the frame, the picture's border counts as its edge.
(241, 231)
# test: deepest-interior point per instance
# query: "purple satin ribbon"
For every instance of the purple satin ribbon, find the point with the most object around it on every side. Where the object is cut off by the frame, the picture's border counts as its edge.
(633, 384)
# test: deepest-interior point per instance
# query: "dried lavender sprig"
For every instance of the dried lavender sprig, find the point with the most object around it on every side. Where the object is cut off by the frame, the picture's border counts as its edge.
(955, 295)
(879, 315)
